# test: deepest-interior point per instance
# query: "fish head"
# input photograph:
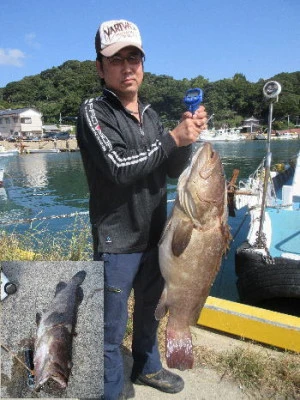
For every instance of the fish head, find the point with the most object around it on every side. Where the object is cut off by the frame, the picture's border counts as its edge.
(201, 186)
(52, 357)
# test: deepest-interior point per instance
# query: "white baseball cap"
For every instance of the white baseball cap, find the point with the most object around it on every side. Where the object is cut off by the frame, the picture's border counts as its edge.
(114, 35)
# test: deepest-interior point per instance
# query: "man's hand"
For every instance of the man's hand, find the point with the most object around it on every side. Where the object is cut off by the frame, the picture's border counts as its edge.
(188, 130)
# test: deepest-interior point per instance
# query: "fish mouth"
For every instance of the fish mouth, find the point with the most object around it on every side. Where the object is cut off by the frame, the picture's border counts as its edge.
(204, 161)
(196, 180)
(58, 377)
(208, 161)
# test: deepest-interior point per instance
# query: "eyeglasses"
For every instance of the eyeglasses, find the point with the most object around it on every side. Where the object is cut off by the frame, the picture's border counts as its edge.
(132, 59)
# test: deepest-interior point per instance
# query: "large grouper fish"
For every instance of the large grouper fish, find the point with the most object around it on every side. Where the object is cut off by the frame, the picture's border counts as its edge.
(194, 240)
(55, 331)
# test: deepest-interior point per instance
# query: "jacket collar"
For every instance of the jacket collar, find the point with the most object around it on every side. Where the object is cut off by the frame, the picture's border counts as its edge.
(113, 98)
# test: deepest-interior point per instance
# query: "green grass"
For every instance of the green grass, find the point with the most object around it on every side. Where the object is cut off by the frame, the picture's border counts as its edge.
(261, 374)
(38, 244)
(271, 376)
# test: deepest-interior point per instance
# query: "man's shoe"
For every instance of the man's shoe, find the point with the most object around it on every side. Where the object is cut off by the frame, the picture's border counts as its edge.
(162, 380)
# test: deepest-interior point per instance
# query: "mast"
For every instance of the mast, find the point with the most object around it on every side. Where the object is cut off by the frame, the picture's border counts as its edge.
(271, 91)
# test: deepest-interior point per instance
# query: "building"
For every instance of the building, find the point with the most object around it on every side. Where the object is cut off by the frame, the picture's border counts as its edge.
(250, 125)
(58, 128)
(51, 128)
(20, 122)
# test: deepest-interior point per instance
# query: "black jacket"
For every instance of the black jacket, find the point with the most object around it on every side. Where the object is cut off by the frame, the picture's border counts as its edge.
(126, 164)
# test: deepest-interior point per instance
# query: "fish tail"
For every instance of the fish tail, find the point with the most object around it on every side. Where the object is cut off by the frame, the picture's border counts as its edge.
(79, 277)
(179, 349)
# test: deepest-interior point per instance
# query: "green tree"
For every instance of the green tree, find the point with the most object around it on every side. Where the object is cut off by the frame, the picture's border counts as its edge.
(60, 91)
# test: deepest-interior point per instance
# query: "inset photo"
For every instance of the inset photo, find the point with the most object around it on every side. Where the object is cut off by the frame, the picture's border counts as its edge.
(51, 329)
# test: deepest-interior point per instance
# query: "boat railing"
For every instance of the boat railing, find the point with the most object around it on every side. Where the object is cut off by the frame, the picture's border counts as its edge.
(250, 191)
(254, 181)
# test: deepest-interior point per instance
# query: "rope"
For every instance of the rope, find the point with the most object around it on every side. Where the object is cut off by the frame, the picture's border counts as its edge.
(17, 358)
(30, 220)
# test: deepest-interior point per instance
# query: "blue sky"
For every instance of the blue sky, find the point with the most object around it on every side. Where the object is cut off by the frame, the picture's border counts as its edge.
(183, 39)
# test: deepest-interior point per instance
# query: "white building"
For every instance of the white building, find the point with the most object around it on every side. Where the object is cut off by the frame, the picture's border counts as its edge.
(20, 122)
(250, 125)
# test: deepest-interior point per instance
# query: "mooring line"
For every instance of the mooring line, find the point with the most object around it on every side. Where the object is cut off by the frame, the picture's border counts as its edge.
(17, 358)
(30, 220)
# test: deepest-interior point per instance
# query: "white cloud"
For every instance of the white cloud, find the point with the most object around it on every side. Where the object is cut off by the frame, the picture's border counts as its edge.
(11, 57)
(30, 40)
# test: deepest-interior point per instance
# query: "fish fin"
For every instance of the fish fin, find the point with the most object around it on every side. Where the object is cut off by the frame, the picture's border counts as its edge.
(59, 287)
(55, 318)
(70, 365)
(79, 277)
(181, 237)
(38, 317)
(79, 295)
(179, 349)
(165, 231)
(162, 308)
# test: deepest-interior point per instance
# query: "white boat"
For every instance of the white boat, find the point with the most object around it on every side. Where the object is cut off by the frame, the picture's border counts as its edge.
(1, 177)
(260, 136)
(287, 136)
(267, 263)
(214, 135)
(34, 151)
(3, 194)
(4, 152)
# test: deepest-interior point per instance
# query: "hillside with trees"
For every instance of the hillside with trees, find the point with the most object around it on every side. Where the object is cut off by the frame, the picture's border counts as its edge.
(59, 91)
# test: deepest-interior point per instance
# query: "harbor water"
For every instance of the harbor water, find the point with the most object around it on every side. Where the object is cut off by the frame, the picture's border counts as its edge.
(48, 191)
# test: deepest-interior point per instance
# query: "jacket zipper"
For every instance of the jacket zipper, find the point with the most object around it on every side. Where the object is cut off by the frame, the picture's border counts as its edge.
(141, 121)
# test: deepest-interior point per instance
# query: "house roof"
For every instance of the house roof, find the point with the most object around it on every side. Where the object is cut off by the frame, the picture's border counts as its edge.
(251, 119)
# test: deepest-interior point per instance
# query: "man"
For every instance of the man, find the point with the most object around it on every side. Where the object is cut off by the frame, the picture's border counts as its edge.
(127, 155)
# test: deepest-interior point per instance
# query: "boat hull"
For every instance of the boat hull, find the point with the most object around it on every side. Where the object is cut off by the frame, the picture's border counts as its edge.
(9, 153)
(37, 151)
(267, 264)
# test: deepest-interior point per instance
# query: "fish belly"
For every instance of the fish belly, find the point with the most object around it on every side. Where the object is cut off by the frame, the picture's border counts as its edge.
(188, 279)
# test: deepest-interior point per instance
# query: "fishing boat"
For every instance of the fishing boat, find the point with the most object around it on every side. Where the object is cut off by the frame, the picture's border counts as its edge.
(260, 136)
(1, 177)
(214, 135)
(3, 194)
(34, 151)
(267, 263)
(5, 153)
(287, 136)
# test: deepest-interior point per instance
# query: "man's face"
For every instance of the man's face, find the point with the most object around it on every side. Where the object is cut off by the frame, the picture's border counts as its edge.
(123, 72)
